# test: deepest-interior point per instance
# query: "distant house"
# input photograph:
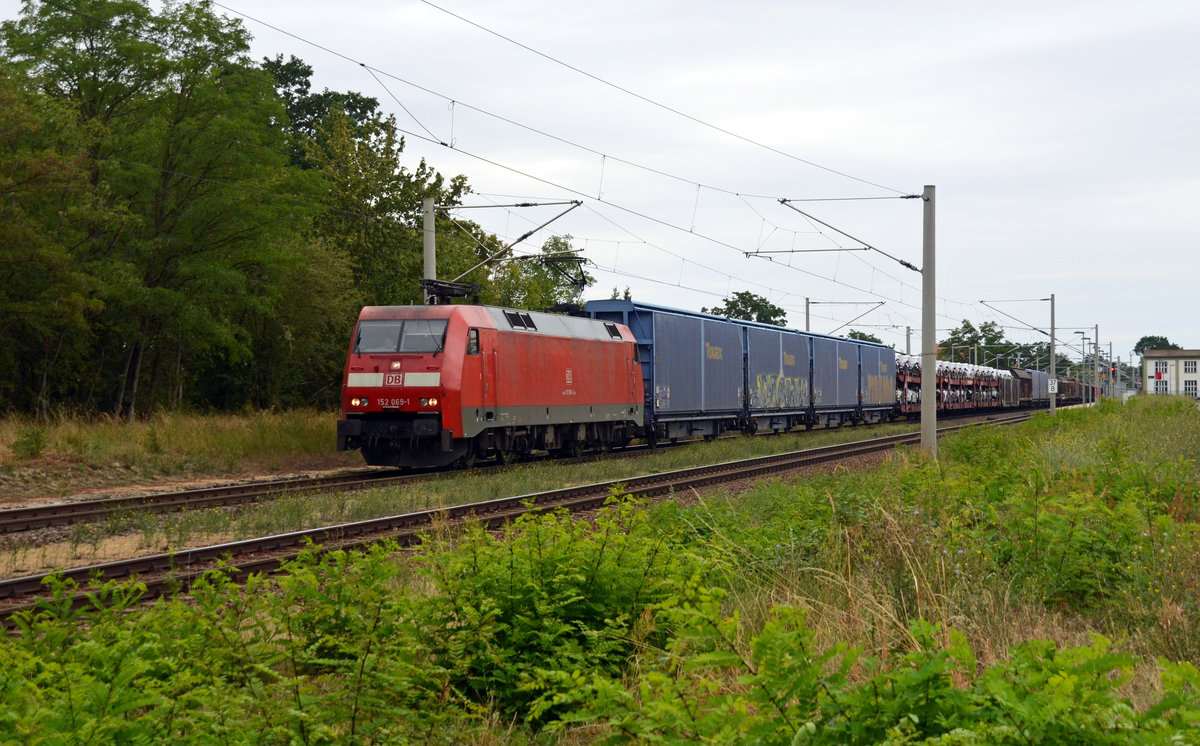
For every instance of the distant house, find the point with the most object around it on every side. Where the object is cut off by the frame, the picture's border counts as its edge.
(1171, 372)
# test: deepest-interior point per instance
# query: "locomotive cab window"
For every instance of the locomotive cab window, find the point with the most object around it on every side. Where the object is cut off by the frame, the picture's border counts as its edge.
(423, 335)
(472, 341)
(377, 337)
(380, 337)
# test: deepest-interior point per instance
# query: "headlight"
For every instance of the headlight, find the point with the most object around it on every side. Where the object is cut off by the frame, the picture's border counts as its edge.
(356, 402)
(430, 402)
(395, 365)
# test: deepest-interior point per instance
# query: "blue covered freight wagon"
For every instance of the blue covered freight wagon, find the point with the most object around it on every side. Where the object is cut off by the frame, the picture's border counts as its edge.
(692, 367)
(778, 377)
(877, 381)
(705, 374)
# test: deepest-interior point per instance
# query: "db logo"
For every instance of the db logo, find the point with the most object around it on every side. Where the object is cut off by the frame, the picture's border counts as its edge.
(570, 376)
(393, 379)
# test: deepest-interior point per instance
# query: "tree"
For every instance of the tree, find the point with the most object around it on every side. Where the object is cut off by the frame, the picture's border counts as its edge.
(751, 307)
(962, 342)
(372, 209)
(550, 279)
(184, 150)
(306, 112)
(46, 298)
(182, 227)
(1152, 342)
(864, 336)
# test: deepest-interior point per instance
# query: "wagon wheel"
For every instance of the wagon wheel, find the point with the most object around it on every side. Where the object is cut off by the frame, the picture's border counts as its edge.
(504, 456)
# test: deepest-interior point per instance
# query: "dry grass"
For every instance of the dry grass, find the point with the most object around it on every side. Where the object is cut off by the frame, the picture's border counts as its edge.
(77, 455)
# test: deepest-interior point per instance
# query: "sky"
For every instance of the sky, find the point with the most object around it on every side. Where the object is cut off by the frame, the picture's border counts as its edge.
(1063, 139)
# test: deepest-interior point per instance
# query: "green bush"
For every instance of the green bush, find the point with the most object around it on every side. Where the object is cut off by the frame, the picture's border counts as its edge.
(328, 656)
(707, 685)
(552, 594)
(31, 442)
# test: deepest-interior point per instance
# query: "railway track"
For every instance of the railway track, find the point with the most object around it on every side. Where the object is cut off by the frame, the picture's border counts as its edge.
(28, 518)
(167, 573)
(31, 517)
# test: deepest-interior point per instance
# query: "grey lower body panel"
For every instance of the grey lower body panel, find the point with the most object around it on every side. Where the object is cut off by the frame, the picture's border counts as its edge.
(480, 419)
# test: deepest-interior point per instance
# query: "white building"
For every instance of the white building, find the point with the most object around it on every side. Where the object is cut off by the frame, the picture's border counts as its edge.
(1171, 372)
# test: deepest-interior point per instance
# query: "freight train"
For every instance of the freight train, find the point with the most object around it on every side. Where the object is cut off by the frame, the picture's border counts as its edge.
(428, 386)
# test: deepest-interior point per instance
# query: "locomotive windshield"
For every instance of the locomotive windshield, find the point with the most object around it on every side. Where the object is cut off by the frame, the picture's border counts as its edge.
(423, 335)
(393, 335)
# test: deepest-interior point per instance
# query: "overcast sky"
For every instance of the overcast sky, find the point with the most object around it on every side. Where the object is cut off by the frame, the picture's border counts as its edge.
(1063, 139)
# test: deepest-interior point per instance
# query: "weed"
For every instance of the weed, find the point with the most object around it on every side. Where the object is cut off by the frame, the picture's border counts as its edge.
(30, 442)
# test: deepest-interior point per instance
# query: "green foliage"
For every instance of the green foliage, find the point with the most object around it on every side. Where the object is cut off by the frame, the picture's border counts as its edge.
(45, 203)
(749, 306)
(1154, 342)
(781, 687)
(339, 649)
(185, 229)
(30, 442)
(708, 686)
(865, 336)
(826, 611)
(329, 656)
(307, 111)
(187, 245)
(553, 596)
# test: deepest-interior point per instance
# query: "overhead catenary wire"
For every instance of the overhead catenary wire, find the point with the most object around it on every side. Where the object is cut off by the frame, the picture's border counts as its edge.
(401, 104)
(605, 156)
(658, 104)
(856, 318)
(438, 141)
(433, 138)
(375, 72)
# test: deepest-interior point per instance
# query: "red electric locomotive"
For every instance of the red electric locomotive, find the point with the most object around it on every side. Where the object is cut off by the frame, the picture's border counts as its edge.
(431, 385)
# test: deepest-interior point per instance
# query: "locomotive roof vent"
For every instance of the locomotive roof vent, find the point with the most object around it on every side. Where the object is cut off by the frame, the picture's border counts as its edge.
(520, 320)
